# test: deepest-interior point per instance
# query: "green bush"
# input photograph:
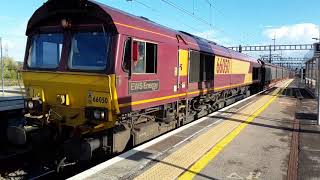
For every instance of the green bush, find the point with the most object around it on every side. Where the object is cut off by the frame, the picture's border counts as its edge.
(11, 70)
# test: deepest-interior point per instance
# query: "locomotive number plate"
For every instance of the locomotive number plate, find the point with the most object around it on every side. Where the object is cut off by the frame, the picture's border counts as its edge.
(223, 65)
(97, 99)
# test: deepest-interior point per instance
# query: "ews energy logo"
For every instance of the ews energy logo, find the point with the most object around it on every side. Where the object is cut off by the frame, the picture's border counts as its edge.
(222, 65)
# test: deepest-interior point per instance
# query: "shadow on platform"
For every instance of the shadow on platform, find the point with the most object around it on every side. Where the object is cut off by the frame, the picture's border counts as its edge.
(266, 125)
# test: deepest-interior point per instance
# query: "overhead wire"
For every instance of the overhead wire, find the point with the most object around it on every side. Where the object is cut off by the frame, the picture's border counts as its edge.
(208, 2)
(192, 14)
(198, 18)
(223, 14)
(210, 24)
(156, 11)
(186, 12)
(143, 4)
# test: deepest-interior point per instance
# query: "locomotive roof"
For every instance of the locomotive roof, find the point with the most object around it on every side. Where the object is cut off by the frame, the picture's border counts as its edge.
(124, 21)
(273, 65)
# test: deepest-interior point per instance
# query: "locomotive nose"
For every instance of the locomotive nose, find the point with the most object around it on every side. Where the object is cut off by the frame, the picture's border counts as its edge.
(72, 99)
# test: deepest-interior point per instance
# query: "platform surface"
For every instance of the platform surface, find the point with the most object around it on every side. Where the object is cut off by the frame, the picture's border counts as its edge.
(11, 98)
(309, 136)
(11, 91)
(13, 102)
(249, 140)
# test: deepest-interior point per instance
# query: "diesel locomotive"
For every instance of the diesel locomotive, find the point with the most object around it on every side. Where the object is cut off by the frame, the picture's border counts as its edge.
(99, 79)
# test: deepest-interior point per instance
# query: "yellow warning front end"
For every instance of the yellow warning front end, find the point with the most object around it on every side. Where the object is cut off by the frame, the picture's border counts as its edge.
(79, 100)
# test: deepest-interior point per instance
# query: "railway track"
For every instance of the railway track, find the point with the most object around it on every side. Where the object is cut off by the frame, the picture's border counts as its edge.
(24, 165)
(29, 162)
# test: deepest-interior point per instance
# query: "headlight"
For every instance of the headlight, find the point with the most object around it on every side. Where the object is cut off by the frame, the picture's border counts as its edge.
(30, 104)
(33, 105)
(102, 115)
(93, 113)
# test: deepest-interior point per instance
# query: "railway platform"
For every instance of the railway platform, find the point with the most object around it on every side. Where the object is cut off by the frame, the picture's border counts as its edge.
(270, 135)
(11, 98)
(9, 103)
(11, 106)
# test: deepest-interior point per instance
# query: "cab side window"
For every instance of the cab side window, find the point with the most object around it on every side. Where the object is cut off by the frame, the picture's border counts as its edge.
(255, 73)
(126, 55)
(144, 57)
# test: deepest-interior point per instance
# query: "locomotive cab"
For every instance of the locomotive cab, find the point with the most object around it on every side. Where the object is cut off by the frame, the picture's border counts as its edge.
(68, 72)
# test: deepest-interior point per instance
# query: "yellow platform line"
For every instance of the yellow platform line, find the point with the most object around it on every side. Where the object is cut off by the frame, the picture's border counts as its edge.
(176, 163)
(208, 157)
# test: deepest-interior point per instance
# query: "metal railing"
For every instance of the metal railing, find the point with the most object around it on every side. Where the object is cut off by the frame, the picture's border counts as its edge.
(273, 47)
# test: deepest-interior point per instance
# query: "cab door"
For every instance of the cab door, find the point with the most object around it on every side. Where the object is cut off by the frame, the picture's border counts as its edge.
(182, 71)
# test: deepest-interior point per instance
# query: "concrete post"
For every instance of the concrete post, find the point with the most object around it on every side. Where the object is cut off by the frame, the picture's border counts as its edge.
(308, 68)
(2, 68)
(318, 89)
(314, 77)
(301, 74)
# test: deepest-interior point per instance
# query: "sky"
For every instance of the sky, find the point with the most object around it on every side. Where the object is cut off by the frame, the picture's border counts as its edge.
(227, 22)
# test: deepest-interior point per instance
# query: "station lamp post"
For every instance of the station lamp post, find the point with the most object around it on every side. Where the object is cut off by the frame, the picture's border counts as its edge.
(318, 38)
(274, 42)
(317, 56)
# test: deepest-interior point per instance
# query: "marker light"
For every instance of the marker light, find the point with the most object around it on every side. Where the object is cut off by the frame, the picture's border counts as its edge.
(97, 114)
(63, 99)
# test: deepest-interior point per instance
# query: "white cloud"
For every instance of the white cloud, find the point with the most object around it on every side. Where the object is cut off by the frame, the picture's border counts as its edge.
(210, 35)
(268, 26)
(8, 44)
(293, 34)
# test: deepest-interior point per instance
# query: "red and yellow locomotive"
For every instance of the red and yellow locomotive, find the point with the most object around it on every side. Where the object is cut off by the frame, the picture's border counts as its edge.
(102, 79)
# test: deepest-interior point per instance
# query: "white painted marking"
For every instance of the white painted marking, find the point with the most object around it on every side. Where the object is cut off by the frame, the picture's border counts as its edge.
(194, 134)
(99, 167)
(234, 176)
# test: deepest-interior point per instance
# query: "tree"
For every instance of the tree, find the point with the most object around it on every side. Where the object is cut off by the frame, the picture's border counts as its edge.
(11, 68)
